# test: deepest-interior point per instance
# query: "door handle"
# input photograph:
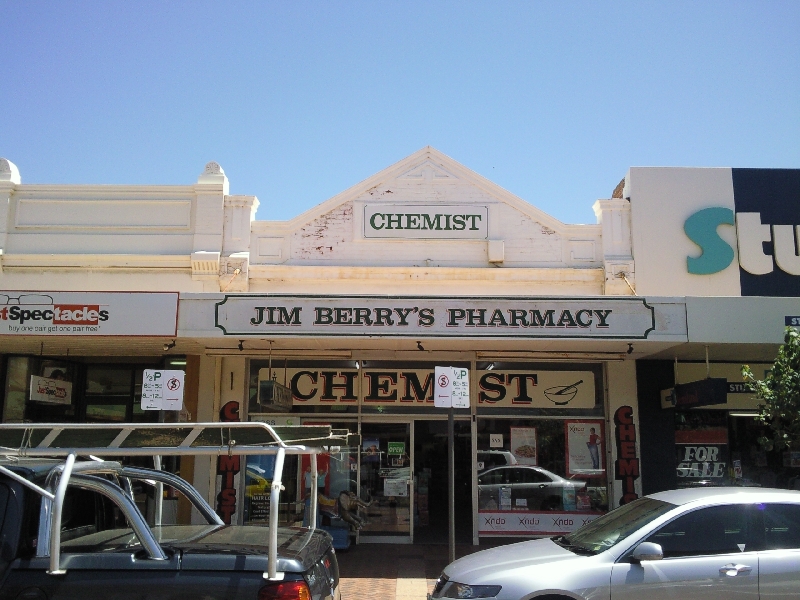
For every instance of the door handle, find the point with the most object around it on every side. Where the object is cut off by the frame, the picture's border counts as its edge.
(732, 570)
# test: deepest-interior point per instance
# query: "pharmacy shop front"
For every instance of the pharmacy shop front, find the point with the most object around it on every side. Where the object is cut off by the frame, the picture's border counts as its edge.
(534, 452)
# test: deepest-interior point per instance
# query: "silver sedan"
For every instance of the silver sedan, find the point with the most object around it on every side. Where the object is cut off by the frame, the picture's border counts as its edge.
(703, 544)
(530, 487)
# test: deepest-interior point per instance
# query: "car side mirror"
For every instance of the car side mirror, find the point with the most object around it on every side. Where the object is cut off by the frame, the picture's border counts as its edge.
(647, 551)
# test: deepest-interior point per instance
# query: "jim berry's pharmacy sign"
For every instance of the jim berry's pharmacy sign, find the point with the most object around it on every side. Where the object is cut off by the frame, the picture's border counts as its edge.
(403, 316)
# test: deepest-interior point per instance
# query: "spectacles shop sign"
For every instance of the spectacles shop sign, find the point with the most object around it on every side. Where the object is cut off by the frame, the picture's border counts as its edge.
(602, 318)
(89, 313)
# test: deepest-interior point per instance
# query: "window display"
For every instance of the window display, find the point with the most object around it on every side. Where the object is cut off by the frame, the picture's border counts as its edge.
(549, 481)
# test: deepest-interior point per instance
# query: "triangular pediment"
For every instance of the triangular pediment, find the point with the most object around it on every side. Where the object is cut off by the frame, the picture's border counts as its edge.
(426, 176)
(428, 171)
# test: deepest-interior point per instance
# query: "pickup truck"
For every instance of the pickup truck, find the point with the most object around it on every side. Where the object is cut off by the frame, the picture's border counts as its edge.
(71, 529)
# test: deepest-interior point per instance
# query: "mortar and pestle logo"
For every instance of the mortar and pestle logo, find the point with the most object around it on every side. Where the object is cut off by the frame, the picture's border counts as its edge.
(561, 394)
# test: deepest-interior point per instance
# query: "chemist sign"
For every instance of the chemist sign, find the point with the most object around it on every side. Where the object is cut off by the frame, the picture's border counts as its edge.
(452, 387)
(162, 390)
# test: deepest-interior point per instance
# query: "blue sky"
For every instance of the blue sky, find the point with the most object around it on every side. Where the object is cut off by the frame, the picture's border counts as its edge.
(300, 100)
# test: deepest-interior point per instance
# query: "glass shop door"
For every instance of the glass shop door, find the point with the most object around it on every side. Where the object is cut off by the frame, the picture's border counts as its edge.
(385, 476)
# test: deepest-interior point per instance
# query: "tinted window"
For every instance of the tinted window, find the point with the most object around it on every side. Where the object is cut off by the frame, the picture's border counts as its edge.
(782, 526)
(714, 530)
(86, 512)
(533, 476)
(493, 477)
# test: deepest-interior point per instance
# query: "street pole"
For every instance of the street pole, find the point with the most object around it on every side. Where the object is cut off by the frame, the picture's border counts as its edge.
(451, 483)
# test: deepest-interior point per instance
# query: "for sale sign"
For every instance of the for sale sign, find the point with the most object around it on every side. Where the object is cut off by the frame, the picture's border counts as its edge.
(162, 390)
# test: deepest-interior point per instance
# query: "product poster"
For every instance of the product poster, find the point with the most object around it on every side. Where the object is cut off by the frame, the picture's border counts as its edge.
(371, 451)
(523, 445)
(585, 451)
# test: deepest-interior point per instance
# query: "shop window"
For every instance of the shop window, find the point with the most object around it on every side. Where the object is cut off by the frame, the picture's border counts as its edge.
(547, 465)
(52, 390)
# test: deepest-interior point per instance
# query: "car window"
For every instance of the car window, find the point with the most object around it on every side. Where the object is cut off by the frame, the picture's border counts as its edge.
(613, 527)
(781, 526)
(85, 515)
(708, 531)
(534, 476)
(493, 477)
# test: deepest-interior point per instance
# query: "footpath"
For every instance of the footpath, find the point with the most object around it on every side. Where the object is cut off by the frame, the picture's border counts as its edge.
(397, 571)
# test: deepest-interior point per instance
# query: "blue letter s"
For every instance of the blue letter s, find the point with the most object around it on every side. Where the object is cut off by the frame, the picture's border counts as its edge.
(701, 228)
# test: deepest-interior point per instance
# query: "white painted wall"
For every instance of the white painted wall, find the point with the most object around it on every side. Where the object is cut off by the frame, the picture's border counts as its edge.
(662, 198)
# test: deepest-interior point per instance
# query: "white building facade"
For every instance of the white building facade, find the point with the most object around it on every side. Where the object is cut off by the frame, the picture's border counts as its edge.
(341, 315)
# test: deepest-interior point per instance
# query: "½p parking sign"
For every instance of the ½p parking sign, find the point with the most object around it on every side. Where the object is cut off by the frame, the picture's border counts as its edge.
(162, 390)
(452, 387)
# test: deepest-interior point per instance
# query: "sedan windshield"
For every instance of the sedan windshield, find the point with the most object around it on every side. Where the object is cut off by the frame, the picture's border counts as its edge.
(610, 529)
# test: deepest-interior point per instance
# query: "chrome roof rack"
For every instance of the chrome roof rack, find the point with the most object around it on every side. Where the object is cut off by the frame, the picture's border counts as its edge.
(70, 440)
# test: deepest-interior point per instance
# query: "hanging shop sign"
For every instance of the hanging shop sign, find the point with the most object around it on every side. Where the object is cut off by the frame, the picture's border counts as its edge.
(315, 386)
(704, 392)
(89, 313)
(50, 390)
(272, 396)
(387, 316)
(420, 222)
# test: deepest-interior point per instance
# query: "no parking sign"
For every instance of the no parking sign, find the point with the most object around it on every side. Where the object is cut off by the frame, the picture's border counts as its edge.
(162, 390)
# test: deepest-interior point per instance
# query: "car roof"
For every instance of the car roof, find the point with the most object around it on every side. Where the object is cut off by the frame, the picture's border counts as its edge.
(518, 466)
(726, 495)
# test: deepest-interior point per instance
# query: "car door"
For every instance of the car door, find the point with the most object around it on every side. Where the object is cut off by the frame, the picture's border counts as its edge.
(779, 562)
(535, 488)
(709, 554)
(489, 484)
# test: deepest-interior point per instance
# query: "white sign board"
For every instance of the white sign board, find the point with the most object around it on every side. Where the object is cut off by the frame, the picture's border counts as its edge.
(521, 522)
(421, 317)
(495, 440)
(443, 390)
(89, 313)
(452, 387)
(426, 222)
(162, 390)
(52, 391)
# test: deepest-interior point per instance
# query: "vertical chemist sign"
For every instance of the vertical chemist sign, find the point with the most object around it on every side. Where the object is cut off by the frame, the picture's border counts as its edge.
(162, 390)
(452, 387)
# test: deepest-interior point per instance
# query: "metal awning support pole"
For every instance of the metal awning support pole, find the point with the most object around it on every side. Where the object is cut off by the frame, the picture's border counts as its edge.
(312, 521)
(274, 506)
(55, 519)
(159, 508)
(451, 485)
